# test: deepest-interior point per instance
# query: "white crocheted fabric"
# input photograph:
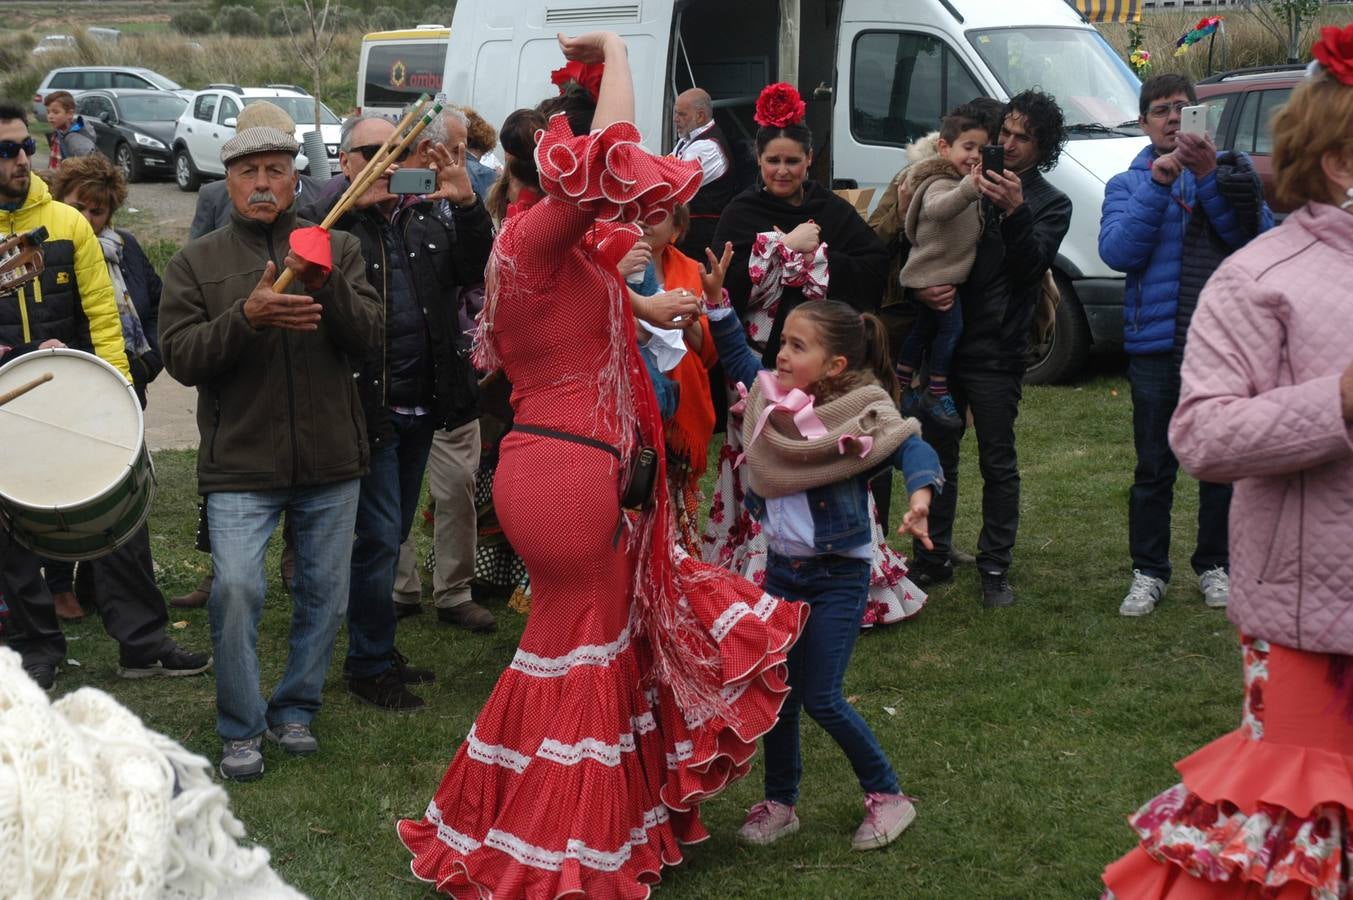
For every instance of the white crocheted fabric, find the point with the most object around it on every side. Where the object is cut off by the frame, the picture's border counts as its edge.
(94, 804)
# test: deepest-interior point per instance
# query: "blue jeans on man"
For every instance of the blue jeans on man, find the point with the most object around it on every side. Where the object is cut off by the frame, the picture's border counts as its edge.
(836, 589)
(389, 499)
(241, 523)
(1155, 394)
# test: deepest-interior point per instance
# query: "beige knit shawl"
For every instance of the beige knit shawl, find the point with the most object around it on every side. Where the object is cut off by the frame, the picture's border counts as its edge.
(781, 461)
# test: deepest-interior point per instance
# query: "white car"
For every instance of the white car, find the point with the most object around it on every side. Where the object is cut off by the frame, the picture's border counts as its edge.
(209, 119)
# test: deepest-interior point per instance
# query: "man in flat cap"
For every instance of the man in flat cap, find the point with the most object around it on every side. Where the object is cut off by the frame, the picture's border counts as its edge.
(281, 430)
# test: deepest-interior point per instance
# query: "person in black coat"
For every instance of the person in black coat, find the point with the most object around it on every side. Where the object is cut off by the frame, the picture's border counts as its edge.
(1024, 221)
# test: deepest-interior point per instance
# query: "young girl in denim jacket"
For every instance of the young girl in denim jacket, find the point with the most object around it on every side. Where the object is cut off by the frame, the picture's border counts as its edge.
(816, 428)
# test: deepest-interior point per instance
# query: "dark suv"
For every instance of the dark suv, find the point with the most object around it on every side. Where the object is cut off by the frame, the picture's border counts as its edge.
(1240, 110)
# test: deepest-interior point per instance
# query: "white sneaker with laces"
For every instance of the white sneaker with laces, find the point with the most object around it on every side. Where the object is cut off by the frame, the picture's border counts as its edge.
(1216, 587)
(1143, 596)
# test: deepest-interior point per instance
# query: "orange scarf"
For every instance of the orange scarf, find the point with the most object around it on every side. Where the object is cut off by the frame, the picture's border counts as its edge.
(692, 427)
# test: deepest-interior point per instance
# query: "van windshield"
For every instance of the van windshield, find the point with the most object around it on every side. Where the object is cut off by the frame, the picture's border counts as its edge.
(397, 73)
(1076, 65)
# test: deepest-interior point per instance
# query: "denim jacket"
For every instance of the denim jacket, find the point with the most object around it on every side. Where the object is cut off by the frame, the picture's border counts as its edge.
(840, 510)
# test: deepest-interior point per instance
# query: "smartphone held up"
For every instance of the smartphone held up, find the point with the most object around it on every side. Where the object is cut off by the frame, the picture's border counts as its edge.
(1193, 120)
(993, 159)
(413, 181)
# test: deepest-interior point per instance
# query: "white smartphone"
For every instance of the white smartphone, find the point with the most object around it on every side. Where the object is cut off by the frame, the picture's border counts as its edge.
(1193, 120)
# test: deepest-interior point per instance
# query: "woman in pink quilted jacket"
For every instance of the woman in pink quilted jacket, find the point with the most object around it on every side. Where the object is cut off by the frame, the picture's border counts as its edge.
(1266, 403)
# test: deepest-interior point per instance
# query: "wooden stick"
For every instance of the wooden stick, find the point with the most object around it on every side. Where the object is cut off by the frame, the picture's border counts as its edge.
(380, 155)
(374, 169)
(24, 388)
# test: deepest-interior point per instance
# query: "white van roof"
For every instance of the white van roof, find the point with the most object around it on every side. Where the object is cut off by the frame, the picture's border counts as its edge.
(965, 13)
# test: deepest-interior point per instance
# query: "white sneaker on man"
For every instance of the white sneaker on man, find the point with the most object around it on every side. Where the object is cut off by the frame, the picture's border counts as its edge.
(1143, 596)
(1216, 587)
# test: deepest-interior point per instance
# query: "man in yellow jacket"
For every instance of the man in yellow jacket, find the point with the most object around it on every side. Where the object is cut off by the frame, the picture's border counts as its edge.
(71, 303)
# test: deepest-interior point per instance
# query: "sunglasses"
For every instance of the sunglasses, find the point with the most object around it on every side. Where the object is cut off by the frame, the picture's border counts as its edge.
(10, 149)
(370, 150)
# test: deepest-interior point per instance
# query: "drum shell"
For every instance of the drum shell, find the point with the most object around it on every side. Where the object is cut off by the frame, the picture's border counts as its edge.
(88, 408)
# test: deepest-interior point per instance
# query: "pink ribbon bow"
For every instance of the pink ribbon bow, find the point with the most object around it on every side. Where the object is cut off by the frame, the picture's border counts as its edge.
(800, 406)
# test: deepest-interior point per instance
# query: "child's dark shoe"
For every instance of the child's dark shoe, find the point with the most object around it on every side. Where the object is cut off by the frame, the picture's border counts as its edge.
(910, 404)
(942, 411)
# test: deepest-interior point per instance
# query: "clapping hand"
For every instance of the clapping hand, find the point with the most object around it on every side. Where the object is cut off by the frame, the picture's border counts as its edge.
(264, 307)
(587, 48)
(804, 238)
(670, 309)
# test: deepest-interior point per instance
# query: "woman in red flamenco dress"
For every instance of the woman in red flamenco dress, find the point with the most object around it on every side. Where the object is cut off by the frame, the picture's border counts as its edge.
(1262, 813)
(643, 678)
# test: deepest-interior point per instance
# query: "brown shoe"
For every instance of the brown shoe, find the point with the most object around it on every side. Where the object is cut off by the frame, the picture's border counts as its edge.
(197, 597)
(468, 615)
(67, 607)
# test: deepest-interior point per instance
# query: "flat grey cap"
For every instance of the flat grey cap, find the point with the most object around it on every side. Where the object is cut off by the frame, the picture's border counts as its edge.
(260, 139)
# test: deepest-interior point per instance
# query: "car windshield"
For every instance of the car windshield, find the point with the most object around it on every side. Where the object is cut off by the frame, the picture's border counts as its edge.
(164, 108)
(301, 109)
(1076, 65)
(164, 84)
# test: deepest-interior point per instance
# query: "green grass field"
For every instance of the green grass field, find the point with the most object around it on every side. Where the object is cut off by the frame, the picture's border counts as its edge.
(1027, 734)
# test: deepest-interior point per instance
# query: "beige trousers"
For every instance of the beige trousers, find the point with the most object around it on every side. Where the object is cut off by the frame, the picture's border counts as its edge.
(452, 463)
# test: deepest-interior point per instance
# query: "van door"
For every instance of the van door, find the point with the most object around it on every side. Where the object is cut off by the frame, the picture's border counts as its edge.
(894, 83)
(500, 54)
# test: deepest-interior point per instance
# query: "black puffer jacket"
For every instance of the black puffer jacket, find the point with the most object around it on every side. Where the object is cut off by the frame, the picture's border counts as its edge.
(447, 251)
(1001, 293)
(1204, 249)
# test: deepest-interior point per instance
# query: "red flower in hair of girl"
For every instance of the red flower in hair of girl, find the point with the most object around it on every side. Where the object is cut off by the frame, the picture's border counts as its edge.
(1334, 52)
(779, 105)
(588, 76)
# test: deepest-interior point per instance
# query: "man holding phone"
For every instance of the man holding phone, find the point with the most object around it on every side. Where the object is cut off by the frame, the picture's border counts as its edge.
(1168, 222)
(1024, 221)
(418, 253)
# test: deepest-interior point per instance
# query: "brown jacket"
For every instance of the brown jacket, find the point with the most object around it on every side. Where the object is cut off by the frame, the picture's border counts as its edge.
(276, 408)
(943, 224)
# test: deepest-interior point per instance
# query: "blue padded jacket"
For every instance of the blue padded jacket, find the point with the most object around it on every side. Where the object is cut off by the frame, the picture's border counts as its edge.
(1141, 233)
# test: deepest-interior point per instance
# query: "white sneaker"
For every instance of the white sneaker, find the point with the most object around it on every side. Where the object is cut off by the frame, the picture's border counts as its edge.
(1143, 596)
(1216, 587)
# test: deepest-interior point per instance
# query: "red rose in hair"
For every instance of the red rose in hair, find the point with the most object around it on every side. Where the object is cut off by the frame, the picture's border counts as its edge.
(587, 75)
(1334, 51)
(779, 105)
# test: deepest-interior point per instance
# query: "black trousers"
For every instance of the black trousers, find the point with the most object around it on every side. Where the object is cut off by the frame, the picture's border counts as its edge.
(32, 629)
(993, 398)
(129, 602)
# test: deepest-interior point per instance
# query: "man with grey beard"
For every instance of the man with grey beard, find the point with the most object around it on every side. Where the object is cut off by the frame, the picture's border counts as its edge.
(281, 429)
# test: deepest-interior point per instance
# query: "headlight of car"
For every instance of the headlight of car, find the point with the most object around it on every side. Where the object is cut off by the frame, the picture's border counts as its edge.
(146, 140)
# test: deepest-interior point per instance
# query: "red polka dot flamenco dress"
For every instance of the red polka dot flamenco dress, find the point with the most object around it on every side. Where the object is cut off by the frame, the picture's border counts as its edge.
(643, 678)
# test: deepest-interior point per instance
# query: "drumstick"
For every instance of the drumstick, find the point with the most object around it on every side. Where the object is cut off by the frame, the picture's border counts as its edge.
(374, 170)
(24, 388)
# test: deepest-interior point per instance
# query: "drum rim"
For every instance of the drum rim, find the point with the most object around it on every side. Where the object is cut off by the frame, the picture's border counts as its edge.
(135, 456)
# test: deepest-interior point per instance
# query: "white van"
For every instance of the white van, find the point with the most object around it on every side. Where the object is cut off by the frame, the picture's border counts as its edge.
(876, 74)
(396, 66)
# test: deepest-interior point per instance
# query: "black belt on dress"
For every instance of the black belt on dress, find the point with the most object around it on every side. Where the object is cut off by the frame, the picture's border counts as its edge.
(567, 436)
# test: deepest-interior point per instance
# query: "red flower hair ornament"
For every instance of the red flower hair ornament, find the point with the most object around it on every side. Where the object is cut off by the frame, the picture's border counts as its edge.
(587, 75)
(1334, 52)
(779, 105)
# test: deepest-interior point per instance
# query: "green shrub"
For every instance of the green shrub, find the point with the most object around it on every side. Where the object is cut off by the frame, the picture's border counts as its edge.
(387, 18)
(191, 21)
(239, 21)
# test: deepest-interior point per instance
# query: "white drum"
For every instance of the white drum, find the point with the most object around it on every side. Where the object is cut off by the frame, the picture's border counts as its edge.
(75, 478)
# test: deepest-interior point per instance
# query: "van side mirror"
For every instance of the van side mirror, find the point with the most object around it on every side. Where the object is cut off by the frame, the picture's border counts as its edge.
(230, 121)
(105, 117)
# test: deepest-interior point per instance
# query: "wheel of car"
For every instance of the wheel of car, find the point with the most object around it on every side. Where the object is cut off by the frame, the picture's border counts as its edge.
(185, 173)
(1066, 349)
(126, 160)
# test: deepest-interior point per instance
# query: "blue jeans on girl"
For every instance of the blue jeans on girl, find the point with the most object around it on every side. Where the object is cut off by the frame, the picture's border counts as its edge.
(836, 589)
